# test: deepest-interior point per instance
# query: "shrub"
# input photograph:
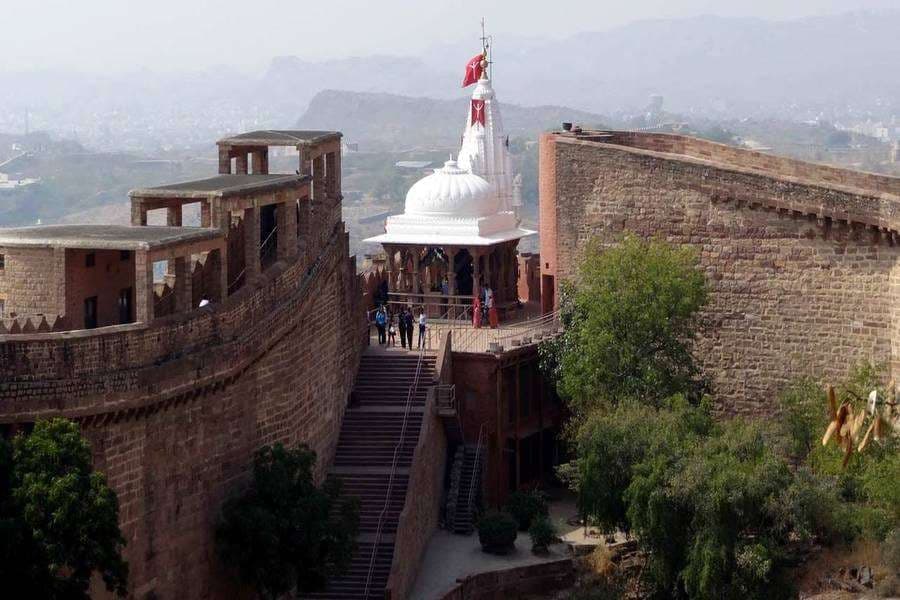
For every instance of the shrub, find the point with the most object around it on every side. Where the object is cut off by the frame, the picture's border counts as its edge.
(497, 532)
(526, 506)
(609, 444)
(542, 533)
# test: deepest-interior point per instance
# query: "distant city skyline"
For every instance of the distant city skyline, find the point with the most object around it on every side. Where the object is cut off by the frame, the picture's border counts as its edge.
(117, 35)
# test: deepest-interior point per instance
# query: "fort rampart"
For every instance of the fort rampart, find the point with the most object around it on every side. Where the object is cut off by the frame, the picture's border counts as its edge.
(175, 408)
(801, 259)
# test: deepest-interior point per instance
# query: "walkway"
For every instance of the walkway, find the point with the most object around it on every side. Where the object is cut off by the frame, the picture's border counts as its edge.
(450, 557)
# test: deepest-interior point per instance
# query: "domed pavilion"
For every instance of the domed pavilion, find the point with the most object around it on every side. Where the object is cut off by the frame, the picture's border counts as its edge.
(460, 227)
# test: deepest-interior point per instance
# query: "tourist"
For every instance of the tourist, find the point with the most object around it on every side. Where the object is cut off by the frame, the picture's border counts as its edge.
(408, 324)
(401, 325)
(493, 317)
(392, 331)
(476, 312)
(380, 322)
(422, 323)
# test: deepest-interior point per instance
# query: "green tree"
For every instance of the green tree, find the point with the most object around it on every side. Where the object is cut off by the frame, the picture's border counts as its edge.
(610, 444)
(284, 533)
(633, 320)
(58, 516)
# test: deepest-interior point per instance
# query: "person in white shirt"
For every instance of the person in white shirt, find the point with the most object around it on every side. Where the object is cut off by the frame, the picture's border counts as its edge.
(422, 323)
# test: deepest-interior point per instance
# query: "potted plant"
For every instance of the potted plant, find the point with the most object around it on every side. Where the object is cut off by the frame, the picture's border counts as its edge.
(526, 506)
(497, 532)
(542, 533)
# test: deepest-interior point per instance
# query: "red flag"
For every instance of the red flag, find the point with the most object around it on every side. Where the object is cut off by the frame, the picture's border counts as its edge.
(477, 112)
(473, 70)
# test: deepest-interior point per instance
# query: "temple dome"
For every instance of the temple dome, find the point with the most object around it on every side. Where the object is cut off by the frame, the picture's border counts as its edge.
(451, 192)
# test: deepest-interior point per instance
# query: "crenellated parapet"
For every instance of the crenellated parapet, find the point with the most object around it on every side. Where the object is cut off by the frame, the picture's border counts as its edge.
(249, 332)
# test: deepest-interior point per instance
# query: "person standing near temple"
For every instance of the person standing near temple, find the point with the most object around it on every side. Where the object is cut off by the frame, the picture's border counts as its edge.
(493, 317)
(392, 330)
(408, 321)
(422, 324)
(380, 322)
(401, 325)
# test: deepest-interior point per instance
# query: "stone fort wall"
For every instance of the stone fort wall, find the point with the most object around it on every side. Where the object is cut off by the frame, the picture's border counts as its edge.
(175, 409)
(801, 259)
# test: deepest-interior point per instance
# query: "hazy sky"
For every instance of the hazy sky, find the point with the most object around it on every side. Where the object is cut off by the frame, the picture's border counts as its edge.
(186, 34)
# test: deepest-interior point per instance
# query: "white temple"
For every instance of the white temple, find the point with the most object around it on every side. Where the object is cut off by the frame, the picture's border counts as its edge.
(460, 225)
(473, 201)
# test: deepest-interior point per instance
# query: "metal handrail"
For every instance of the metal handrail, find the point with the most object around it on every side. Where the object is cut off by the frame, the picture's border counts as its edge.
(397, 448)
(481, 433)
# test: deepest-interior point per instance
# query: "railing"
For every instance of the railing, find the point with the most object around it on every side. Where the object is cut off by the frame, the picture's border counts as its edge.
(436, 306)
(445, 399)
(469, 339)
(397, 451)
(482, 431)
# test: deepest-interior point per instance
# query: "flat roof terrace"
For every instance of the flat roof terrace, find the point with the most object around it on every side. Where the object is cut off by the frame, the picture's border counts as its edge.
(105, 237)
(223, 186)
(281, 137)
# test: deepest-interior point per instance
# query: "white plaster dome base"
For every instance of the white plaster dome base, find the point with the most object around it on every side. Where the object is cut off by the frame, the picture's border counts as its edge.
(451, 192)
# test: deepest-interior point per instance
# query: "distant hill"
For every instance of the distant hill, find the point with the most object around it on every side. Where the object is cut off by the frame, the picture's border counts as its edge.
(389, 122)
(836, 67)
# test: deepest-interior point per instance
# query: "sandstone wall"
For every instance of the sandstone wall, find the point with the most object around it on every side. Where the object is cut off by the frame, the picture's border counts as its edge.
(803, 274)
(24, 282)
(174, 410)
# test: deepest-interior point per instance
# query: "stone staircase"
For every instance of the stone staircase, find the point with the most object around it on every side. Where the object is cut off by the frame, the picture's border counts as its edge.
(370, 432)
(463, 521)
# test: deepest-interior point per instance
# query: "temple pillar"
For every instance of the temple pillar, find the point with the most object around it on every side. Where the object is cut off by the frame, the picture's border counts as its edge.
(476, 272)
(252, 266)
(451, 271)
(389, 267)
(487, 268)
(143, 287)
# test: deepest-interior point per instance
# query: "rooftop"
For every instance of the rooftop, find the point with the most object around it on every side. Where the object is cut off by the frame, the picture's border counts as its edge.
(103, 237)
(280, 137)
(221, 186)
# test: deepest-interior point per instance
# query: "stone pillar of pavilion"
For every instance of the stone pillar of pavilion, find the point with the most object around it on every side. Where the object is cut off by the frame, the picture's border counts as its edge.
(205, 214)
(286, 218)
(252, 266)
(138, 212)
(143, 287)
(260, 160)
(183, 290)
(241, 162)
(224, 160)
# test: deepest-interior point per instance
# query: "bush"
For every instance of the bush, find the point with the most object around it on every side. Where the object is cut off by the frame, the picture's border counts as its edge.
(542, 533)
(497, 532)
(526, 506)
